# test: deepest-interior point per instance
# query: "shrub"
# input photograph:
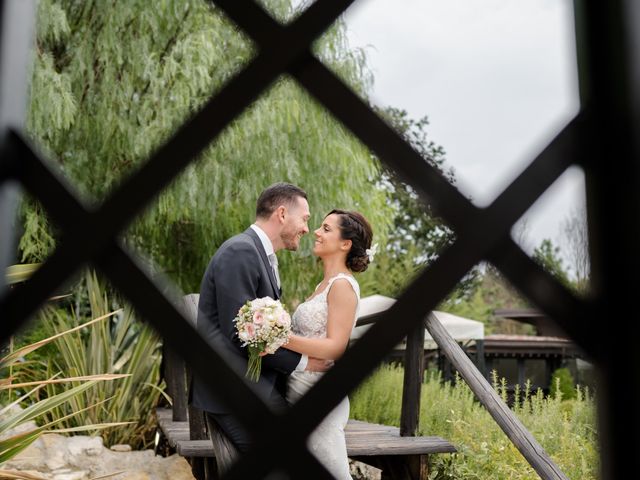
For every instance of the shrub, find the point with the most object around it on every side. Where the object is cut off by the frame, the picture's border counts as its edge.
(14, 437)
(562, 384)
(566, 430)
(119, 344)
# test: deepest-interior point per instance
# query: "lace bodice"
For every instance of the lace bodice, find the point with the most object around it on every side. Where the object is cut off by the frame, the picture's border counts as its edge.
(310, 318)
(327, 441)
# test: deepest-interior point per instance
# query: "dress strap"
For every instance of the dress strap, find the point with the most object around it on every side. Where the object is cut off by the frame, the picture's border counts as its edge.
(352, 281)
(354, 285)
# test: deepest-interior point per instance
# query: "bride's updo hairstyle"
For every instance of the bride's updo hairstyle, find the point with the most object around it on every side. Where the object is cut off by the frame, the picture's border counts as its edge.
(354, 227)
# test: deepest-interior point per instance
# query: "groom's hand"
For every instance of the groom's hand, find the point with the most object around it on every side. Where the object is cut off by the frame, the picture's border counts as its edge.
(318, 365)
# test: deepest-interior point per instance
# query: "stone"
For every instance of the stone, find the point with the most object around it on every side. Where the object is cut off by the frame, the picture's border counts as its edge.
(20, 428)
(67, 474)
(55, 457)
(121, 447)
(20, 473)
(362, 471)
(134, 475)
(178, 468)
(83, 445)
(55, 460)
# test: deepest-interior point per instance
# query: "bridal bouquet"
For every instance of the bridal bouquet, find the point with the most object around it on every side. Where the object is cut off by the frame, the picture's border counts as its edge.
(263, 325)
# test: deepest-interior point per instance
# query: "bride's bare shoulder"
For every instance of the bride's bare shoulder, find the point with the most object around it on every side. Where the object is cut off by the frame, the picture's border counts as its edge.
(342, 291)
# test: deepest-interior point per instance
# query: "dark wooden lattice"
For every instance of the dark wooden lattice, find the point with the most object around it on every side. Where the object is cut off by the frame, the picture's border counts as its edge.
(602, 139)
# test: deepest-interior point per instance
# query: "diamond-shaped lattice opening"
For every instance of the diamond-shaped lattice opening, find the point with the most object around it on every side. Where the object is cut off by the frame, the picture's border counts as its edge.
(493, 92)
(554, 231)
(35, 236)
(100, 108)
(287, 136)
(449, 276)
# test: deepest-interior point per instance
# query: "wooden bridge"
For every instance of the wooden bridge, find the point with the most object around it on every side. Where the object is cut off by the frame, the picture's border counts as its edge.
(396, 451)
(381, 446)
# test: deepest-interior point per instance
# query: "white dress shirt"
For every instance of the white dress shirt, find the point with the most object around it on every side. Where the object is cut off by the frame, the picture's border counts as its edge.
(268, 249)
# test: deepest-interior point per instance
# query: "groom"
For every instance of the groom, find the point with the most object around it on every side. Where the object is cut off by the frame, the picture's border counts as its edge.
(246, 267)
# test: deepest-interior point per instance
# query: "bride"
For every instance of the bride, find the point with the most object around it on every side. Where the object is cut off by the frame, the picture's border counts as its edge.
(323, 323)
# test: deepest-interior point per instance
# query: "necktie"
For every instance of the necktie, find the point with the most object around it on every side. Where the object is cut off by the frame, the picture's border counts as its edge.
(274, 264)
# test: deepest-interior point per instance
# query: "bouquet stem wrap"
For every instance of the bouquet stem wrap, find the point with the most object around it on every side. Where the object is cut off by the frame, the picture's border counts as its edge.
(254, 367)
(262, 325)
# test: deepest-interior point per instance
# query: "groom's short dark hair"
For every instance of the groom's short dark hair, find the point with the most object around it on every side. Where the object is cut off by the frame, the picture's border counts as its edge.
(280, 193)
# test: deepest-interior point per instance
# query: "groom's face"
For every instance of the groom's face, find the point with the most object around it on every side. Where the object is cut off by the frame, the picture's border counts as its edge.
(295, 223)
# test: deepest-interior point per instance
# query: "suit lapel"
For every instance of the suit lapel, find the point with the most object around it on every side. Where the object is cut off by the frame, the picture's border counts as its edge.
(265, 260)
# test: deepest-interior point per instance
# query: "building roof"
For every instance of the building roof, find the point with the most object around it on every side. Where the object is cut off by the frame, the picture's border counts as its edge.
(529, 346)
(461, 329)
(545, 326)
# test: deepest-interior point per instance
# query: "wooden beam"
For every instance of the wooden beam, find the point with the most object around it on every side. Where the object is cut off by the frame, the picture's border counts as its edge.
(504, 417)
(175, 378)
(413, 376)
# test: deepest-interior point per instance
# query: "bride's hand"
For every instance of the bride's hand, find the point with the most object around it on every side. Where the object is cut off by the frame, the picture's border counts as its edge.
(318, 364)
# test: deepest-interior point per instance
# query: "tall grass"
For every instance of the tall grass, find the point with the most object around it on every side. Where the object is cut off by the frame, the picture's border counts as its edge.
(565, 428)
(118, 345)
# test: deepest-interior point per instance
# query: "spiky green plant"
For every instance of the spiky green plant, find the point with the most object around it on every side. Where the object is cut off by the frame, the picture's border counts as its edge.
(13, 443)
(120, 345)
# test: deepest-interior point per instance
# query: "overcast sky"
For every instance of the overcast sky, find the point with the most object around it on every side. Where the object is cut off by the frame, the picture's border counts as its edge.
(497, 79)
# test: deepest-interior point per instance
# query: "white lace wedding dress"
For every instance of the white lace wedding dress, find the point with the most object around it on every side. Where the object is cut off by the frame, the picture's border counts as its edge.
(327, 442)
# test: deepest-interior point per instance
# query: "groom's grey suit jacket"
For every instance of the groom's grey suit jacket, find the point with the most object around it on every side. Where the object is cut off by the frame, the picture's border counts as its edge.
(239, 271)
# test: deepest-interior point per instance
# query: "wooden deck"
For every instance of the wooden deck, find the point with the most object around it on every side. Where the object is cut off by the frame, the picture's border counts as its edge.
(363, 439)
(378, 445)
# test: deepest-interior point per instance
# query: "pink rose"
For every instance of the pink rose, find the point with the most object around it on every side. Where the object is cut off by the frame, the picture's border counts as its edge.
(284, 320)
(258, 319)
(250, 329)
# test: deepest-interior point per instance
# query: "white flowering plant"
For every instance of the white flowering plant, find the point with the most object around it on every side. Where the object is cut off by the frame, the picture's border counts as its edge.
(263, 325)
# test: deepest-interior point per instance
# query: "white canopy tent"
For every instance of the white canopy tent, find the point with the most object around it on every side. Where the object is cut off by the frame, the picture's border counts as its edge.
(460, 328)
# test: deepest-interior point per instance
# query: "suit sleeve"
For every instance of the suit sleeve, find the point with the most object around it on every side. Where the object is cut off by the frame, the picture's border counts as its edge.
(237, 276)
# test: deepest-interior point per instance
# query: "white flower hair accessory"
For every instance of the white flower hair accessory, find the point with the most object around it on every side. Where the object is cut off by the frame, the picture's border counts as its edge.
(371, 252)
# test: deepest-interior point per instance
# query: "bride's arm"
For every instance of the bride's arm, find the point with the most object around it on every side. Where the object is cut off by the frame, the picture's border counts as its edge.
(342, 303)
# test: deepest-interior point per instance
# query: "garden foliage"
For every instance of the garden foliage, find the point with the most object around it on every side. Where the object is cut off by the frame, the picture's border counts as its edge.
(565, 428)
(117, 345)
(113, 81)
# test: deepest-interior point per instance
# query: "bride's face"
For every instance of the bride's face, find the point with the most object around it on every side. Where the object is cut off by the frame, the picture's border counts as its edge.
(328, 238)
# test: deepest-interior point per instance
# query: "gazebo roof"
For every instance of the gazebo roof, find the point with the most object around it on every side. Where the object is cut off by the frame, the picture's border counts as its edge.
(460, 328)
(544, 325)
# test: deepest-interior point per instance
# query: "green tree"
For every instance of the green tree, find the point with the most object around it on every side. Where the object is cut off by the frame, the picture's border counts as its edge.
(417, 232)
(414, 222)
(112, 81)
(491, 292)
(576, 241)
(548, 256)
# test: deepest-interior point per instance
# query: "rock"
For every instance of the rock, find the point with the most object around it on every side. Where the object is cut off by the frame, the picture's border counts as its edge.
(26, 474)
(362, 471)
(32, 458)
(82, 445)
(21, 428)
(56, 460)
(136, 475)
(54, 451)
(178, 468)
(121, 447)
(67, 474)
(55, 457)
